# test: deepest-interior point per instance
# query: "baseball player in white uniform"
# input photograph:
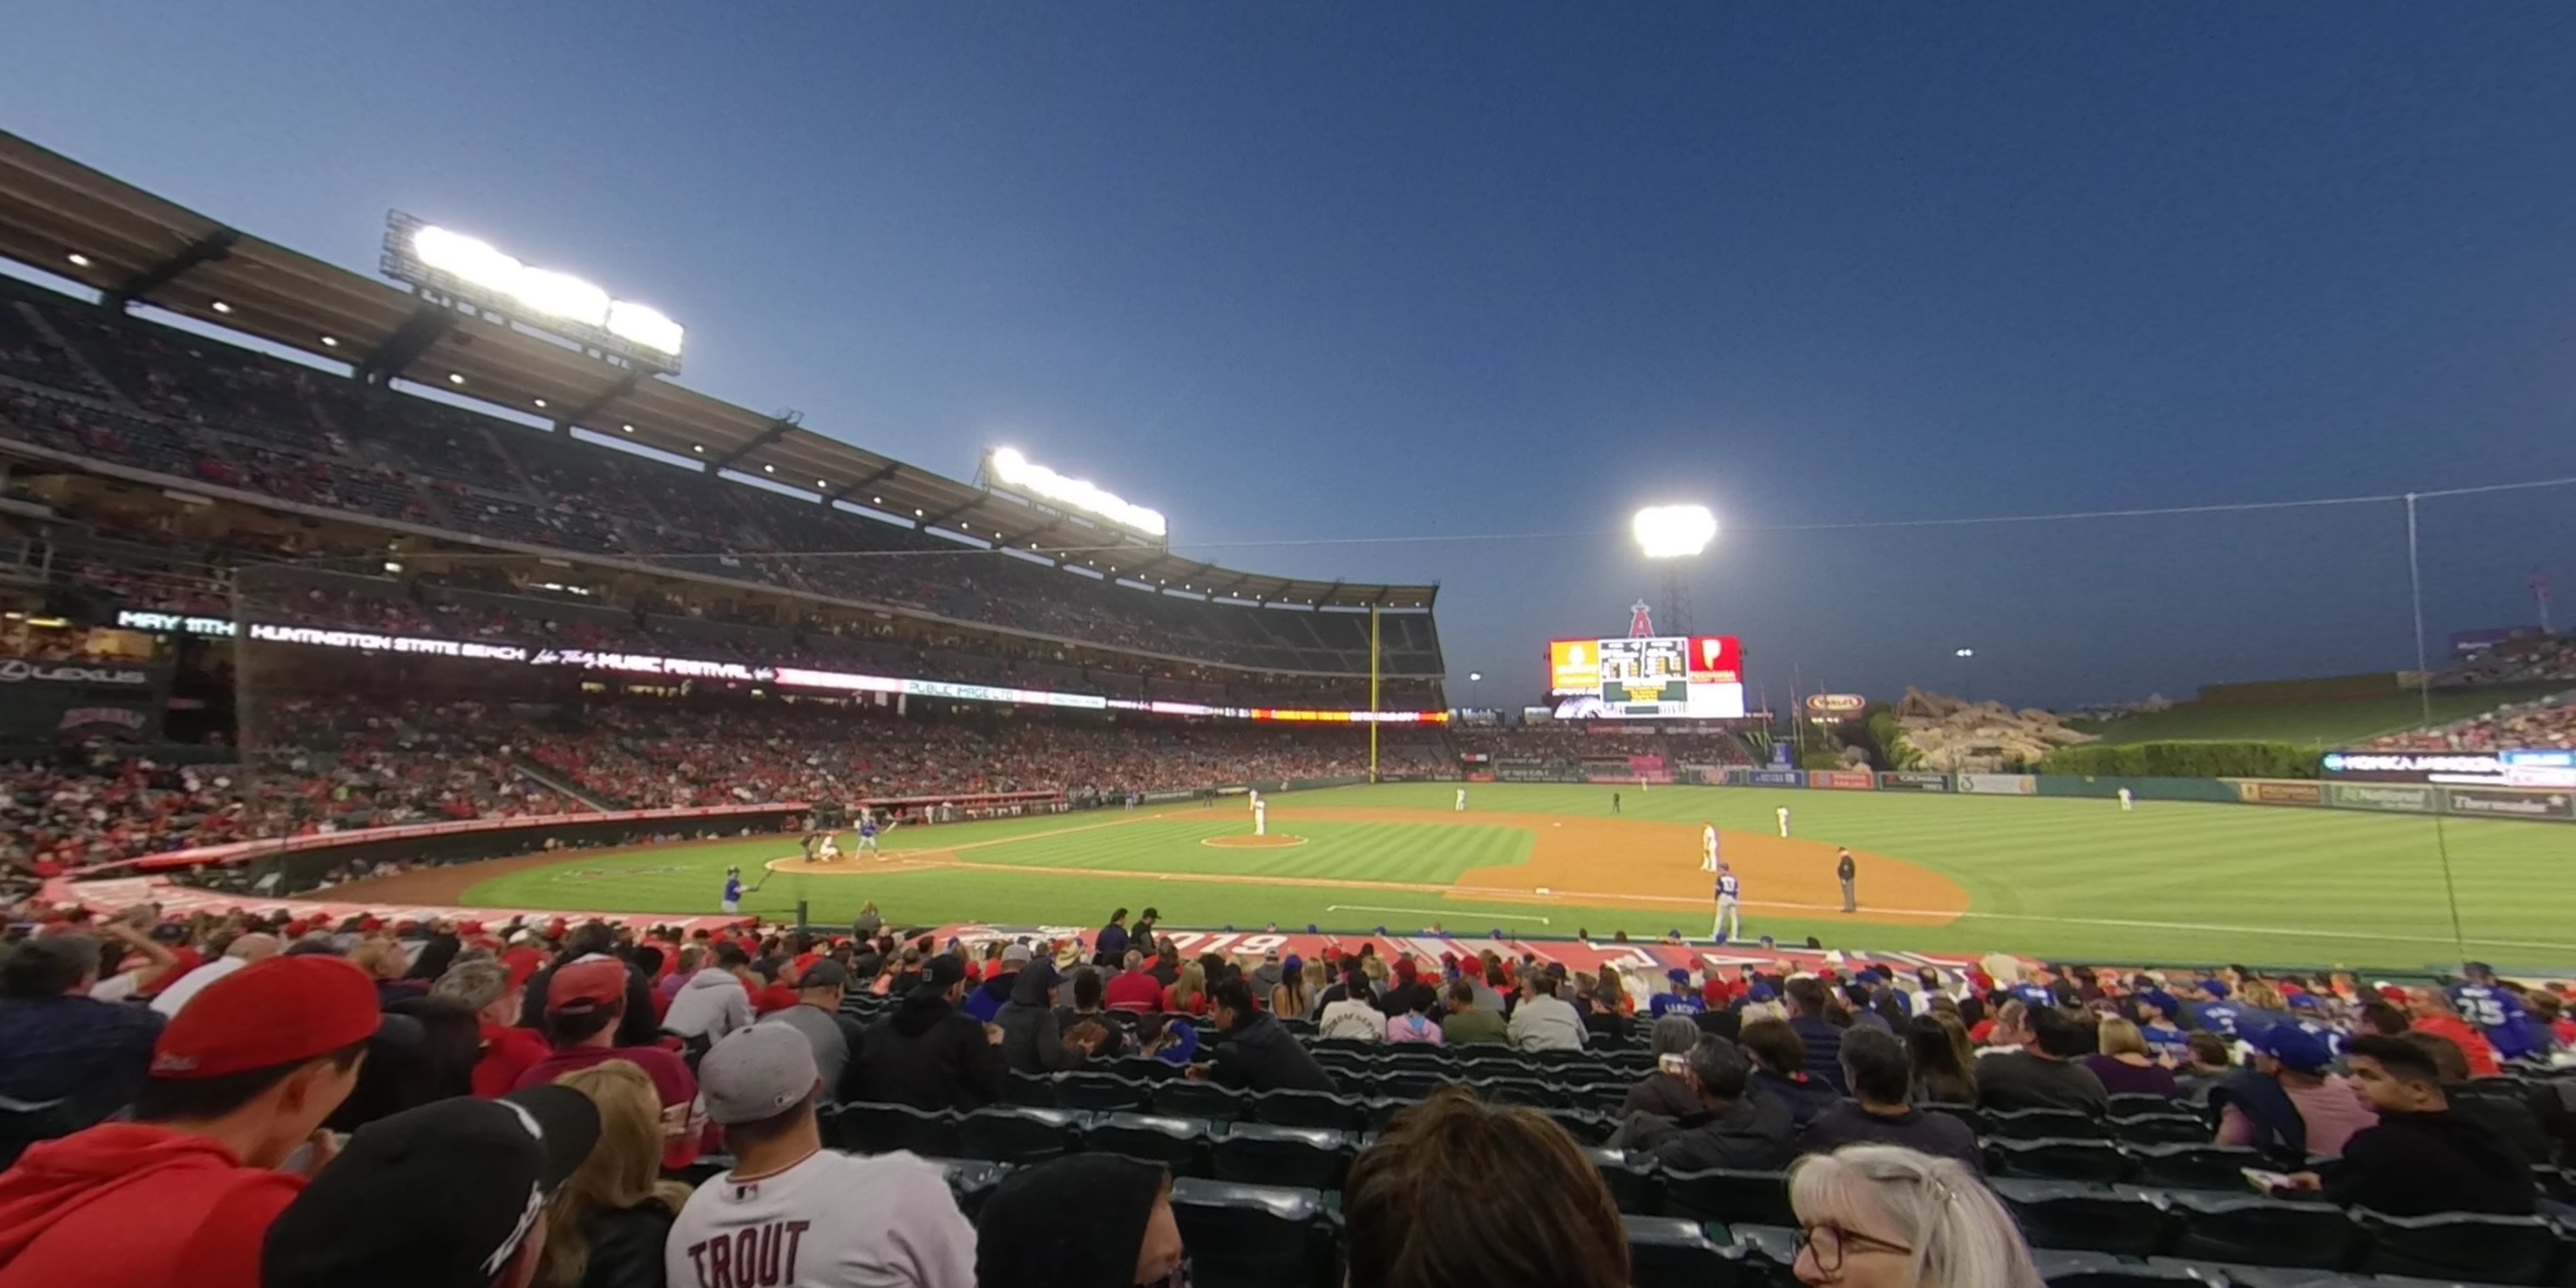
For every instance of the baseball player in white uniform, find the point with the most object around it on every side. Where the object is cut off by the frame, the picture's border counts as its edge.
(2128, 801)
(1708, 847)
(1462, 798)
(1729, 923)
(830, 850)
(1260, 815)
(1783, 814)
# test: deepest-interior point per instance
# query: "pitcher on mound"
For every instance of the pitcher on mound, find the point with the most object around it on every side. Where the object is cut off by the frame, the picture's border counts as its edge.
(1260, 815)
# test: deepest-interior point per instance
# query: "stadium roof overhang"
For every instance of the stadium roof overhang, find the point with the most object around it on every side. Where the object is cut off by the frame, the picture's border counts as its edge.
(133, 246)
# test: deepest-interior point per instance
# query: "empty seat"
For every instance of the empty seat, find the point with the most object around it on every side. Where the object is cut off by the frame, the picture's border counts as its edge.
(1584, 1125)
(1410, 1084)
(1671, 1252)
(2239, 1276)
(1254, 1236)
(2160, 1129)
(1520, 1091)
(1726, 1194)
(1381, 1110)
(971, 1181)
(1314, 1158)
(2469, 1245)
(1141, 1068)
(2063, 1269)
(2057, 1158)
(1173, 1142)
(1035, 1090)
(878, 1129)
(1099, 1091)
(1965, 1113)
(1185, 1099)
(1292, 1108)
(2032, 1124)
(1634, 1182)
(2218, 1226)
(2085, 1215)
(1768, 1255)
(1014, 1134)
(2194, 1167)
(2129, 1104)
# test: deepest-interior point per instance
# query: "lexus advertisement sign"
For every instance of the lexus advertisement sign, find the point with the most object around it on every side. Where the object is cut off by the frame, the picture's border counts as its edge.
(48, 700)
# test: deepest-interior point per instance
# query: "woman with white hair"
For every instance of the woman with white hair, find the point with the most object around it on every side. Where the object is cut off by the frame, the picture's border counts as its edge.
(1882, 1216)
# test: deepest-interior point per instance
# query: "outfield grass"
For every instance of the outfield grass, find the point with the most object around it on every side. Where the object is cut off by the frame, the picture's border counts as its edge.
(2341, 722)
(2045, 876)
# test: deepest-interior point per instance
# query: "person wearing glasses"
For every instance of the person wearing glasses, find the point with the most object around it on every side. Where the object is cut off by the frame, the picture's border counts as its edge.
(1883, 1216)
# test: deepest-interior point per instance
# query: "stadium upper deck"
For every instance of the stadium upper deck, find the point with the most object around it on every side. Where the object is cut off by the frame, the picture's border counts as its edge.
(91, 388)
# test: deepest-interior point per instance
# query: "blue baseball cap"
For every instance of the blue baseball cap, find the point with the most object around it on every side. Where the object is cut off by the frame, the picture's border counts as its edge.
(1677, 975)
(2215, 988)
(1759, 992)
(2294, 1047)
(2162, 1001)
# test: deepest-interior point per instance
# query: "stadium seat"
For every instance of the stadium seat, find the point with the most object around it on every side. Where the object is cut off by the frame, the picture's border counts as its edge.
(1312, 1158)
(2251, 1228)
(1380, 1110)
(1770, 1255)
(1725, 1194)
(1185, 1099)
(1033, 1090)
(1520, 1091)
(1634, 1182)
(877, 1129)
(971, 1181)
(1173, 1142)
(2194, 1167)
(1100, 1092)
(1965, 1113)
(2130, 1104)
(1292, 1108)
(2160, 1129)
(1584, 1125)
(2239, 1276)
(1670, 1252)
(2489, 1249)
(1409, 1084)
(24, 1123)
(1145, 1069)
(1012, 1134)
(1254, 1236)
(2087, 1216)
(2033, 1124)
(2056, 1158)
(1416, 1056)
(1599, 1097)
(2063, 1269)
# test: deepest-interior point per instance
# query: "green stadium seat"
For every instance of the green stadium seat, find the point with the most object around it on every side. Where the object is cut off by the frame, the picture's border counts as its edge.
(880, 1129)
(1635, 1182)
(2254, 1229)
(1585, 1126)
(971, 1181)
(2063, 1269)
(2285, 1277)
(1144, 1069)
(1185, 1099)
(1380, 1110)
(1290, 1108)
(2160, 1129)
(1254, 1236)
(1413, 1055)
(2055, 1158)
(2130, 1104)
(1173, 1142)
(1728, 1195)
(1670, 1252)
(1100, 1092)
(1033, 1090)
(1770, 1254)
(1410, 1083)
(2087, 1216)
(1017, 1135)
(1520, 1091)
(1312, 1158)
(2194, 1167)
(2034, 1124)
(2489, 1249)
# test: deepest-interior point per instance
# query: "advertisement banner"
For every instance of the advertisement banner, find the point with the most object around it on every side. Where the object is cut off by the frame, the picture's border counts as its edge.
(2280, 791)
(1776, 778)
(2489, 803)
(1717, 775)
(1716, 659)
(1834, 706)
(47, 701)
(2458, 768)
(1573, 666)
(1849, 780)
(1999, 784)
(2402, 798)
(1913, 780)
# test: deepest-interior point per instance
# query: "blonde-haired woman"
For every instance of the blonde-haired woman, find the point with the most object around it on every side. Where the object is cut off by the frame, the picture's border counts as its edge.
(606, 1226)
(1883, 1216)
(1188, 994)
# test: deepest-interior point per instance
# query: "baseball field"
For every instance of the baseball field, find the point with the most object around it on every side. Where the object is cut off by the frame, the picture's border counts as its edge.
(2038, 876)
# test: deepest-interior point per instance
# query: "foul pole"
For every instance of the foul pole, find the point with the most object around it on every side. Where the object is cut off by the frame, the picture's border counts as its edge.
(1373, 655)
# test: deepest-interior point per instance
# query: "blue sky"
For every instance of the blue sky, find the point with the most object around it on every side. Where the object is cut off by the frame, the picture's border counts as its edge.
(1315, 272)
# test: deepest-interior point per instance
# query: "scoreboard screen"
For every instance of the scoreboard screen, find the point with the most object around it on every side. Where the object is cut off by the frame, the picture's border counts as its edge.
(1693, 676)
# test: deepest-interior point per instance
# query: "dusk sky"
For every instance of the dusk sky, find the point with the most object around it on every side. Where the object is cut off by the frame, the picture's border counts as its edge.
(1298, 274)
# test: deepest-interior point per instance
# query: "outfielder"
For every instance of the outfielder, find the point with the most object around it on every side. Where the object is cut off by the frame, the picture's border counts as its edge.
(1462, 798)
(733, 890)
(1708, 847)
(2128, 801)
(1783, 813)
(1729, 923)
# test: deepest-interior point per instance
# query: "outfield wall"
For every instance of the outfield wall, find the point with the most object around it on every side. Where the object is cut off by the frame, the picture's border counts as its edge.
(2529, 804)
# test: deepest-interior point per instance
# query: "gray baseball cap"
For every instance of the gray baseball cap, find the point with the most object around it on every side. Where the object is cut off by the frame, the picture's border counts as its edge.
(824, 974)
(757, 1073)
(1015, 954)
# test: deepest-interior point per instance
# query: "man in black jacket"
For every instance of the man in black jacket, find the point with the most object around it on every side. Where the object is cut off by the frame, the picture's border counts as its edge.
(1254, 1051)
(1881, 1075)
(926, 1054)
(636, 1025)
(1736, 1126)
(2423, 1157)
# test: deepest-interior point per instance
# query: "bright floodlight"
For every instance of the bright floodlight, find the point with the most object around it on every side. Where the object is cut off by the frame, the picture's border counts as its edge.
(1965, 652)
(1675, 531)
(544, 291)
(1018, 471)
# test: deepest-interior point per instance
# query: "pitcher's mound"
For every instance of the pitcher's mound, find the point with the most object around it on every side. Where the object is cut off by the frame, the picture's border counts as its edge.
(1275, 841)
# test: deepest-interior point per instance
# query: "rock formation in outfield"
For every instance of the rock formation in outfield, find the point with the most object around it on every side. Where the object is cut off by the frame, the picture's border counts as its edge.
(1957, 736)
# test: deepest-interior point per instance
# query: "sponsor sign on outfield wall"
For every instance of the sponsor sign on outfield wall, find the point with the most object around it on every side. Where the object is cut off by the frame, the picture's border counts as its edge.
(1777, 778)
(2399, 797)
(2505, 804)
(1850, 780)
(2456, 768)
(2280, 791)
(1999, 784)
(1913, 780)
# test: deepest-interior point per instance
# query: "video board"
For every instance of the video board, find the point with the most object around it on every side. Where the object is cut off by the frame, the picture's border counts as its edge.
(1643, 678)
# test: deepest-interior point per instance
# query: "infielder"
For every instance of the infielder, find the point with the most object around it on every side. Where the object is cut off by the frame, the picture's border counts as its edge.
(1729, 923)
(1844, 871)
(1260, 815)
(733, 890)
(1783, 814)
(1708, 847)
(2128, 801)
(1462, 798)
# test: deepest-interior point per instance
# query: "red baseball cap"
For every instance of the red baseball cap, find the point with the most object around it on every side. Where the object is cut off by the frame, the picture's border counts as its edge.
(584, 986)
(282, 1010)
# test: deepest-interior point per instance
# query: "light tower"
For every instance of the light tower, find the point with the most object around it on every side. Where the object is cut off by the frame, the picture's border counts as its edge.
(1675, 534)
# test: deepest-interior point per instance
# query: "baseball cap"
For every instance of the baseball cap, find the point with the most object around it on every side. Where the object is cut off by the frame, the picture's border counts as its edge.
(940, 973)
(441, 1196)
(582, 987)
(2216, 988)
(824, 974)
(283, 1010)
(1015, 954)
(1677, 975)
(757, 1073)
(2294, 1047)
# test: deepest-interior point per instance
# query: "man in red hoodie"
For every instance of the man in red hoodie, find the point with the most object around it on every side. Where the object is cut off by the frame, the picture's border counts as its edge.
(240, 1080)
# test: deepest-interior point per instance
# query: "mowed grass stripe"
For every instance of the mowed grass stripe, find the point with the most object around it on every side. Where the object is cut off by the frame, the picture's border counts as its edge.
(1352, 851)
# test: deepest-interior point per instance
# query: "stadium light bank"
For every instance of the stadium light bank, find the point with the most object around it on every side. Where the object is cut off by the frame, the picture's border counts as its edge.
(474, 271)
(1009, 468)
(1672, 535)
